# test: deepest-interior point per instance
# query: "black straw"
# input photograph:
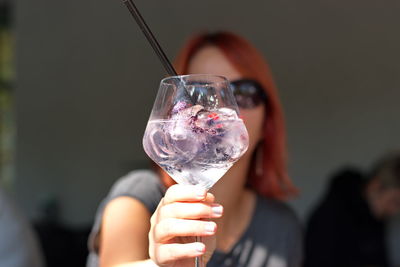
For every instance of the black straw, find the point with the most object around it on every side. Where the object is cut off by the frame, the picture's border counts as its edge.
(150, 37)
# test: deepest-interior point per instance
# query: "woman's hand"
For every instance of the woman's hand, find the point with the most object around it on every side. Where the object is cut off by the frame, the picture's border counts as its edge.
(176, 222)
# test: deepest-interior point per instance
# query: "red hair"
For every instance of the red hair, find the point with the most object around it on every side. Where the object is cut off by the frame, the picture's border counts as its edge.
(274, 181)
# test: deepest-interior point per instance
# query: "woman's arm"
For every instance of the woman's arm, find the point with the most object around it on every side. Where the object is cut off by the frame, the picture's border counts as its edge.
(124, 232)
(128, 233)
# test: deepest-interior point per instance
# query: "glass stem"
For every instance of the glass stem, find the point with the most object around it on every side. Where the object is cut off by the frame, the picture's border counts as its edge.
(199, 260)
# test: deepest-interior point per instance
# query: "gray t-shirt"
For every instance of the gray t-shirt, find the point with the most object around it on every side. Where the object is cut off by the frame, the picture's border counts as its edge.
(272, 239)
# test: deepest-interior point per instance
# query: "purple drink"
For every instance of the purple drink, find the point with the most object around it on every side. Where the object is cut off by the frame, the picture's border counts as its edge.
(196, 146)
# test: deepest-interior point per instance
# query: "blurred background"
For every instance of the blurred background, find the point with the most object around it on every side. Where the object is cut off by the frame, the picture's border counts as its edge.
(78, 82)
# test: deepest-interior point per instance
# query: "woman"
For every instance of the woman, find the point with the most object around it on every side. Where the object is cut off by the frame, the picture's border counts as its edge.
(254, 227)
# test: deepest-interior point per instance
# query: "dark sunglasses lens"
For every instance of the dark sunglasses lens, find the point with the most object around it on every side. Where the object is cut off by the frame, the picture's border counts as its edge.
(248, 94)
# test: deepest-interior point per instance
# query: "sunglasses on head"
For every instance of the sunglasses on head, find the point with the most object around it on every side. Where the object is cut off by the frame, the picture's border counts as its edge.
(248, 93)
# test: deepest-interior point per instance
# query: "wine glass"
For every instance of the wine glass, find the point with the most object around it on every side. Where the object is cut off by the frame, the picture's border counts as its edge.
(194, 132)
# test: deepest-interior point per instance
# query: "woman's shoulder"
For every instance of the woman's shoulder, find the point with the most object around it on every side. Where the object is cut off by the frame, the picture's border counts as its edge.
(143, 185)
(134, 179)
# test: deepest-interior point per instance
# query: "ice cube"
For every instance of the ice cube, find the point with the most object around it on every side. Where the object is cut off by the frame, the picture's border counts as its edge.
(179, 129)
(181, 123)
(185, 149)
(187, 113)
(183, 142)
(227, 114)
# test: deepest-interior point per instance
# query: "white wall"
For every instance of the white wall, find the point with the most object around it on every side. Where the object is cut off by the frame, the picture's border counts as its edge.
(87, 79)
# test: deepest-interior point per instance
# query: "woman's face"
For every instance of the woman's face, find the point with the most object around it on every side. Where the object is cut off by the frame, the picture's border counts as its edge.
(210, 60)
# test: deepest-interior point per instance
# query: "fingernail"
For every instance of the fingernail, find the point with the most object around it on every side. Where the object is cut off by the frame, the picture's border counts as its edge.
(210, 227)
(200, 247)
(217, 210)
(201, 193)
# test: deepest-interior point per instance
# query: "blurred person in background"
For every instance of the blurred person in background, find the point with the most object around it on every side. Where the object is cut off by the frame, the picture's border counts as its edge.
(348, 226)
(255, 227)
(18, 244)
